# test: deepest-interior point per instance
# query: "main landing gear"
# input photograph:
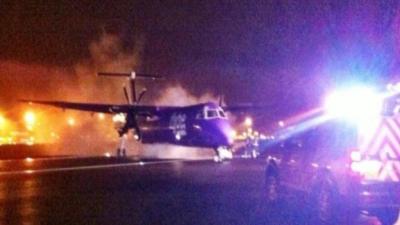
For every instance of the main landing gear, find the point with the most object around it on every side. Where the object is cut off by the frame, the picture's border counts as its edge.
(121, 150)
(222, 153)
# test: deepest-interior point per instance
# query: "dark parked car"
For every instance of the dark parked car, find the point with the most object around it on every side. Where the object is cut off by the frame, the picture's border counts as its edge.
(341, 168)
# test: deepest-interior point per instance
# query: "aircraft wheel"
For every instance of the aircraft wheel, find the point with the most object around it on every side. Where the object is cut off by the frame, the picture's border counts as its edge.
(222, 154)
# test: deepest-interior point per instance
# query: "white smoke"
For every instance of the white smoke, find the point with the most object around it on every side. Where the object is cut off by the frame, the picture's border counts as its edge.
(79, 83)
(176, 95)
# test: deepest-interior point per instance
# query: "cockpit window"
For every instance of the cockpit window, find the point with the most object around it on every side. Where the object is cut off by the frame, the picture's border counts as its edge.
(221, 114)
(211, 113)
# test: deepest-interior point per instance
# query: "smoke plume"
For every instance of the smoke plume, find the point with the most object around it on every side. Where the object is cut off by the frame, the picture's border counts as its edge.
(80, 133)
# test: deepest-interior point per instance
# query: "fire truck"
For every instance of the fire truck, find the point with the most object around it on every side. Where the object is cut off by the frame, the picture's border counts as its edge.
(346, 158)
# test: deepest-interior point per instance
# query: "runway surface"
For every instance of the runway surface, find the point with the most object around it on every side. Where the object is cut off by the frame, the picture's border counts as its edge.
(104, 190)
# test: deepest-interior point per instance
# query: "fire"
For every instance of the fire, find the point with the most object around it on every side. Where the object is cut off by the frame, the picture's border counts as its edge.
(30, 119)
(2, 122)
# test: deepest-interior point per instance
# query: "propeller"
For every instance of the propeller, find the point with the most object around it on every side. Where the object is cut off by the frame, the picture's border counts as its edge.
(144, 90)
(127, 95)
(131, 121)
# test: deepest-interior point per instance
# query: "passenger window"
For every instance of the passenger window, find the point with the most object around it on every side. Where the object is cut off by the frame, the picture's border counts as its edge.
(200, 116)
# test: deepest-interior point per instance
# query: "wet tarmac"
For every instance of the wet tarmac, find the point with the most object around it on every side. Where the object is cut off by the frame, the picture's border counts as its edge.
(104, 190)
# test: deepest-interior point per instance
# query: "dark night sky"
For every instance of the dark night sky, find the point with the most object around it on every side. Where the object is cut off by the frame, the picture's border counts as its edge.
(284, 53)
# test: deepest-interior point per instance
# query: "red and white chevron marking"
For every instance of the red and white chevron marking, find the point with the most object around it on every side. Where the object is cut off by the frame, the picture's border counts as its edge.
(390, 171)
(384, 144)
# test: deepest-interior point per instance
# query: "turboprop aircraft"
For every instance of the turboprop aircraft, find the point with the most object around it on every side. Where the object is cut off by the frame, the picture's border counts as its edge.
(201, 125)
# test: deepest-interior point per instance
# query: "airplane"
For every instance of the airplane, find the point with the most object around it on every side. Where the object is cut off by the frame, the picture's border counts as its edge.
(202, 125)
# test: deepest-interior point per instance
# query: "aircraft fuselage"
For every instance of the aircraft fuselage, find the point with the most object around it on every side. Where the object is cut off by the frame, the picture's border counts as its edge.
(203, 125)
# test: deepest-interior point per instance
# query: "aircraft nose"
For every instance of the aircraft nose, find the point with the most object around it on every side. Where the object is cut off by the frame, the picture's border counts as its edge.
(224, 133)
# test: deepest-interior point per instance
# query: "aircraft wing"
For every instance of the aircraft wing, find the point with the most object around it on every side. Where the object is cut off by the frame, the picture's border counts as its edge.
(141, 110)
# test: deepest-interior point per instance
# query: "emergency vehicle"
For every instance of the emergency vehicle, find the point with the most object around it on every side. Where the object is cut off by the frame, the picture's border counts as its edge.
(346, 158)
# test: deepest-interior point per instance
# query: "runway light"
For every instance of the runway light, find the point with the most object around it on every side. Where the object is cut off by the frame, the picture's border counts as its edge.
(29, 118)
(101, 116)
(248, 122)
(28, 159)
(71, 121)
(107, 154)
(232, 134)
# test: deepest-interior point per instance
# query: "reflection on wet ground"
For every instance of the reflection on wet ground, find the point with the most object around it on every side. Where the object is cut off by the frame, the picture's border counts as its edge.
(141, 192)
(18, 201)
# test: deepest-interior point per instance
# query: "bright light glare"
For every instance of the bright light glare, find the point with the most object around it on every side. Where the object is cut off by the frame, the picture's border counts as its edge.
(71, 121)
(357, 104)
(2, 122)
(101, 116)
(355, 156)
(28, 159)
(119, 118)
(232, 134)
(248, 122)
(367, 168)
(29, 118)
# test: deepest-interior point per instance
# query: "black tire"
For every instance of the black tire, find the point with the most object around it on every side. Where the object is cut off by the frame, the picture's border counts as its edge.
(272, 187)
(387, 216)
(324, 204)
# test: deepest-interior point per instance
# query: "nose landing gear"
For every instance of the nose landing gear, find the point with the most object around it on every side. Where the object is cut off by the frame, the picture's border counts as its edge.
(222, 153)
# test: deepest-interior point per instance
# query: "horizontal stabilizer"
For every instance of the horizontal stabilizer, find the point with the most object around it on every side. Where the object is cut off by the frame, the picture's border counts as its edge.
(132, 75)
